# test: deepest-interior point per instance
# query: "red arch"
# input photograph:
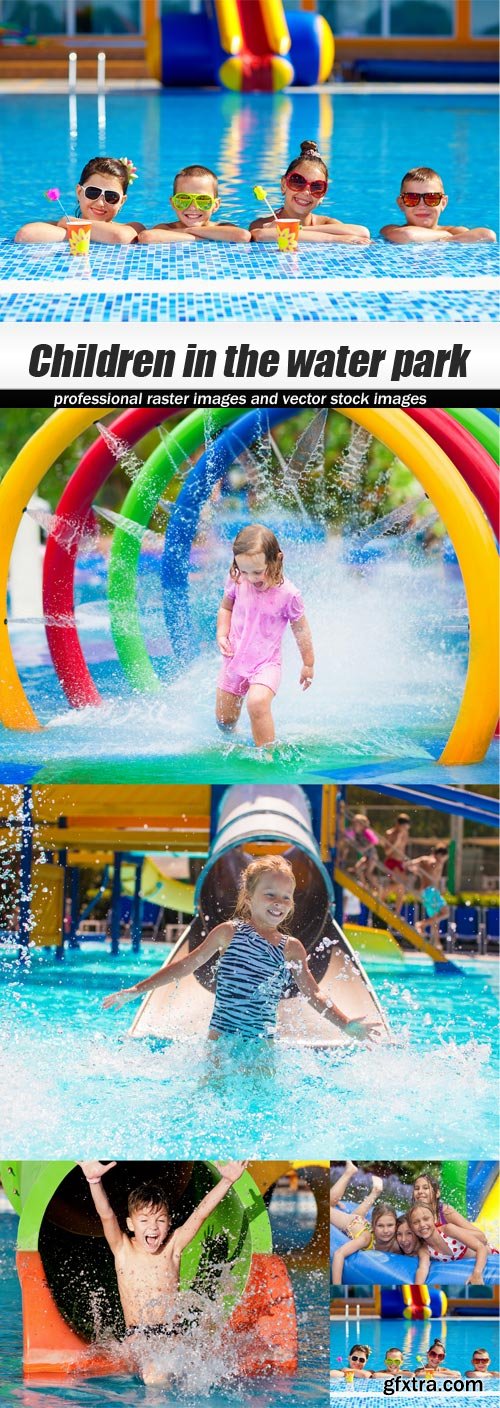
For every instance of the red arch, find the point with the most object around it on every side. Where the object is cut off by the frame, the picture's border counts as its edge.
(59, 565)
(474, 462)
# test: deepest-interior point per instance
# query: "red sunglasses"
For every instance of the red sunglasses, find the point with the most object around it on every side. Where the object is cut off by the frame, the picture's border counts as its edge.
(433, 1355)
(296, 182)
(413, 198)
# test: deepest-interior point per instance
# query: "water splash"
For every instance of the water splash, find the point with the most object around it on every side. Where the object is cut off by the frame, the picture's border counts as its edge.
(146, 537)
(121, 451)
(68, 532)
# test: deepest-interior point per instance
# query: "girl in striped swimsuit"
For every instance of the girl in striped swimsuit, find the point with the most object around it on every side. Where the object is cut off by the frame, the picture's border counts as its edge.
(257, 961)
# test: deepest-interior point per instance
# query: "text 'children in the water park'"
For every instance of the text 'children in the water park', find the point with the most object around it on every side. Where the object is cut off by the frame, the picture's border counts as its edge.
(240, 361)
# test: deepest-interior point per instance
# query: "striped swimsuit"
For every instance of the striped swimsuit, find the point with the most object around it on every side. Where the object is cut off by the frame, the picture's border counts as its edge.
(251, 977)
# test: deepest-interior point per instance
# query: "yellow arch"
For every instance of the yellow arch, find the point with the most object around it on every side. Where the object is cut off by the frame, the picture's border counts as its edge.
(465, 521)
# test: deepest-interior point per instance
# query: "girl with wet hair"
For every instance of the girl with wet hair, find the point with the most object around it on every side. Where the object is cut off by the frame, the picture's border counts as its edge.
(256, 961)
(303, 187)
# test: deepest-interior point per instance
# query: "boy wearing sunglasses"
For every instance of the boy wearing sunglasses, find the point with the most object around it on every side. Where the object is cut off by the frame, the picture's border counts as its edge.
(422, 201)
(481, 1366)
(194, 201)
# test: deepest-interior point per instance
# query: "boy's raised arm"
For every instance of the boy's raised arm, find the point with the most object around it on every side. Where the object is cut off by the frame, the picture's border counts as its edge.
(229, 1174)
(94, 1172)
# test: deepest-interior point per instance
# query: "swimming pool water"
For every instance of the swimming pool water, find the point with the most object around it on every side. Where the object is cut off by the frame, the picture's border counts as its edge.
(306, 1389)
(461, 1336)
(151, 1099)
(369, 140)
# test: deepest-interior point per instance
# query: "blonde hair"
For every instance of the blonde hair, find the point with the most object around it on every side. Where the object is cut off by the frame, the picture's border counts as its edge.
(422, 173)
(256, 538)
(360, 816)
(276, 865)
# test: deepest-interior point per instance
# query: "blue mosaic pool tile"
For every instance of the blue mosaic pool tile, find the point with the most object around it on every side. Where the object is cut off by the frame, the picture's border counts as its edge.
(184, 262)
(215, 306)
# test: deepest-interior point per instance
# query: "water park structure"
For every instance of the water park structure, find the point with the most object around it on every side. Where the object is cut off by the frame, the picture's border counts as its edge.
(72, 1319)
(123, 839)
(452, 455)
(473, 1190)
(283, 44)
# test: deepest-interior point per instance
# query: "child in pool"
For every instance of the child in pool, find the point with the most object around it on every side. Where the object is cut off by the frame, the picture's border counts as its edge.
(422, 200)
(410, 1245)
(101, 192)
(364, 842)
(449, 1243)
(380, 1237)
(429, 872)
(147, 1256)
(195, 200)
(393, 1364)
(256, 961)
(434, 1363)
(395, 841)
(303, 187)
(352, 1223)
(356, 1367)
(426, 1190)
(480, 1367)
(258, 602)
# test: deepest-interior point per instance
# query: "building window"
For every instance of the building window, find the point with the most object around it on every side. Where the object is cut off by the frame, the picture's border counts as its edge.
(484, 19)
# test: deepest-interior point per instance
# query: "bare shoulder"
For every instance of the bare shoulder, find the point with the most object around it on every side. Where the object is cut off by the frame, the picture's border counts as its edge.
(321, 221)
(223, 933)
(295, 949)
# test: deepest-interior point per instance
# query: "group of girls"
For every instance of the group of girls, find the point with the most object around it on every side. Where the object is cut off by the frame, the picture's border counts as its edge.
(430, 1230)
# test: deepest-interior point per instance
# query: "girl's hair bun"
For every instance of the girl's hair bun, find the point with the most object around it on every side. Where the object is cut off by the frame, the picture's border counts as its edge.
(308, 147)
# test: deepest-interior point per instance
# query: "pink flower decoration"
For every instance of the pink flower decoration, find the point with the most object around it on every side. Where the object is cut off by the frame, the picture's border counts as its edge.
(53, 194)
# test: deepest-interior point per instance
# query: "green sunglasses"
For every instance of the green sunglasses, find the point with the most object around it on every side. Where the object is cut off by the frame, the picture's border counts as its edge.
(182, 201)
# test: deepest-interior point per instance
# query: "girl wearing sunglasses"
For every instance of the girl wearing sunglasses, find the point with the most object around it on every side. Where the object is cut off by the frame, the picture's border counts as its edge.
(356, 1365)
(434, 1363)
(304, 187)
(195, 201)
(101, 193)
(422, 201)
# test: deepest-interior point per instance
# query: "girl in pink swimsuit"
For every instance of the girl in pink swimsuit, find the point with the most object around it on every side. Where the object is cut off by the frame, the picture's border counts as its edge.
(258, 603)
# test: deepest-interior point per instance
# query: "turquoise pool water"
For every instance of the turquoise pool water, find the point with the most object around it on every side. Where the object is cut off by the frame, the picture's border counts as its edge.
(460, 1335)
(368, 141)
(72, 1068)
(306, 1389)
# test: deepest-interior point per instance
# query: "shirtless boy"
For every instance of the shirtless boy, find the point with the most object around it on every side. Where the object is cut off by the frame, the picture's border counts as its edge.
(395, 842)
(422, 200)
(429, 871)
(195, 201)
(147, 1256)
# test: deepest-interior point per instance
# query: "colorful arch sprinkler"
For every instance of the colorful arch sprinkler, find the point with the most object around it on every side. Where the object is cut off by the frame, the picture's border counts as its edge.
(446, 480)
(65, 1268)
